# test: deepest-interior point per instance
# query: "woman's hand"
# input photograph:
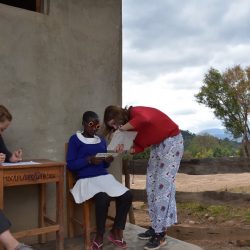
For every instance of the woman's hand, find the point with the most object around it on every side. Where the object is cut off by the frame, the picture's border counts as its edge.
(132, 150)
(126, 126)
(119, 148)
(16, 156)
(2, 157)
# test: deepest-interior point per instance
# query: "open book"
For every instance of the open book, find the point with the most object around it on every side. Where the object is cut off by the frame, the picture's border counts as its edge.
(104, 155)
(125, 138)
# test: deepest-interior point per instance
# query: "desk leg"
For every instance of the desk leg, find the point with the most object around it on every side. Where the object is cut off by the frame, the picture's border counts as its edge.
(60, 211)
(1, 197)
(1, 189)
(42, 210)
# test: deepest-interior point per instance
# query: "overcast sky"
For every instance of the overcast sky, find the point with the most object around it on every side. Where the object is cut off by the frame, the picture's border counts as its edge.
(168, 46)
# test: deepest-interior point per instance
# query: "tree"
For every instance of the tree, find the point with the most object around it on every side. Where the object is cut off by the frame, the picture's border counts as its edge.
(228, 94)
(207, 146)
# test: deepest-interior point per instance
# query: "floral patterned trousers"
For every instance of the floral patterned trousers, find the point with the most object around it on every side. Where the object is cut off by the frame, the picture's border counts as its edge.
(162, 168)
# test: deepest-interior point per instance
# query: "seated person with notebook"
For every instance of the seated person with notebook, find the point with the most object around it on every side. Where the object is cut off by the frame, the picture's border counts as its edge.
(5, 154)
(6, 238)
(94, 181)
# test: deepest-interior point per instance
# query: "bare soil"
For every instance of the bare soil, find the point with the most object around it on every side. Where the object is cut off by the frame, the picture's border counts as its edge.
(209, 232)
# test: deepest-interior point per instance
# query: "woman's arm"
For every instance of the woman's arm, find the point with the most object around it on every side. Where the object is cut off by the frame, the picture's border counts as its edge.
(4, 150)
(126, 126)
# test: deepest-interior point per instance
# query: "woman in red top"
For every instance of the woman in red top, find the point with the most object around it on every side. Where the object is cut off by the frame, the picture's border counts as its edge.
(156, 130)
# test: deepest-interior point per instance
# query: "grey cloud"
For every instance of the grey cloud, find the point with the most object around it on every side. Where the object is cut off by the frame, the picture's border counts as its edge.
(166, 35)
(186, 112)
(169, 21)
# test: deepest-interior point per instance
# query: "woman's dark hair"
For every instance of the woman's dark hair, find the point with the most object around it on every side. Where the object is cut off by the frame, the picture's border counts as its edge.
(5, 114)
(89, 115)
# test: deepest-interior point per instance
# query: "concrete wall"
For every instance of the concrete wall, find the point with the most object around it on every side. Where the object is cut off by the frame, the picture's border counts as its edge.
(54, 67)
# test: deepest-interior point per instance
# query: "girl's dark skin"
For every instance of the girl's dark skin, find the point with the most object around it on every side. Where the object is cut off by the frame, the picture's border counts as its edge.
(90, 128)
(89, 132)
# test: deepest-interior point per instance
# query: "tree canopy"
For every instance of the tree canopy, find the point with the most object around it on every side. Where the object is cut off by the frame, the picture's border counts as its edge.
(228, 95)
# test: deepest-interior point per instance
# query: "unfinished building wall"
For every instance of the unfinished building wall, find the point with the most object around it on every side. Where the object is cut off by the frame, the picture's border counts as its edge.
(54, 66)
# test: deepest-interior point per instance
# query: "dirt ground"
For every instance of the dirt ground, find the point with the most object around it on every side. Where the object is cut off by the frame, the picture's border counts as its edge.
(220, 233)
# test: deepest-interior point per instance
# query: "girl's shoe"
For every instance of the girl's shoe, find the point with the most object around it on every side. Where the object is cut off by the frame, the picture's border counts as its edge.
(147, 234)
(96, 246)
(119, 243)
(156, 242)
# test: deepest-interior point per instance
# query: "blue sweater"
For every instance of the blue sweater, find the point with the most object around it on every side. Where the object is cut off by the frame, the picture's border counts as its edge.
(79, 153)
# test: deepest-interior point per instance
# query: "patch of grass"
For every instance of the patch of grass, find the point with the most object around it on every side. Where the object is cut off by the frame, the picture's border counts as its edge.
(247, 216)
(242, 190)
(193, 207)
(219, 212)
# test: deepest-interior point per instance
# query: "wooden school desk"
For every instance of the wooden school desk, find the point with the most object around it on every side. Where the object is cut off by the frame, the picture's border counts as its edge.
(46, 172)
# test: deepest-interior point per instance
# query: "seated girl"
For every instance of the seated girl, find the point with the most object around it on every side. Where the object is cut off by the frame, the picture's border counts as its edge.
(94, 181)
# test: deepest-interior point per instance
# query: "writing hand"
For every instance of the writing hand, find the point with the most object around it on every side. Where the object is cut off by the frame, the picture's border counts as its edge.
(16, 156)
(18, 153)
(2, 157)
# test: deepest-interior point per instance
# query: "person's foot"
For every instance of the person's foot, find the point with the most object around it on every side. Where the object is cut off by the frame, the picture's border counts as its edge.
(96, 245)
(117, 242)
(22, 246)
(147, 234)
(156, 242)
(117, 233)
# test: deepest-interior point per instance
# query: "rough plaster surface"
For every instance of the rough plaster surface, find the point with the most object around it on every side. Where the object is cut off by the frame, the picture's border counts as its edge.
(53, 68)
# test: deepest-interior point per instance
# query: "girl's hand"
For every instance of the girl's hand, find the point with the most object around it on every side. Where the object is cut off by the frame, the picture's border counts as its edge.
(16, 156)
(2, 157)
(109, 159)
(95, 160)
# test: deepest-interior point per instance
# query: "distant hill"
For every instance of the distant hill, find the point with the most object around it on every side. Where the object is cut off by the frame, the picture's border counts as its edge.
(217, 132)
(195, 145)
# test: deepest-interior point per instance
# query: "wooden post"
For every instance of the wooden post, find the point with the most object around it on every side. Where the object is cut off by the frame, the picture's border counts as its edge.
(1, 196)
(125, 168)
(42, 209)
(60, 210)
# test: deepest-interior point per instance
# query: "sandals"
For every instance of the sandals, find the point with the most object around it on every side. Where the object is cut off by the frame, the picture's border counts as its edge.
(119, 243)
(96, 246)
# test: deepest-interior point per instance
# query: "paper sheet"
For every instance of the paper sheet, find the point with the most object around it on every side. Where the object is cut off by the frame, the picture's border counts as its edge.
(104, 155)
(21, 163)
(122, 137)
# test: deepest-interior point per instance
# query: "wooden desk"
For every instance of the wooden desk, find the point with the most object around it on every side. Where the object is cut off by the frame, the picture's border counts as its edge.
(46, 172)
